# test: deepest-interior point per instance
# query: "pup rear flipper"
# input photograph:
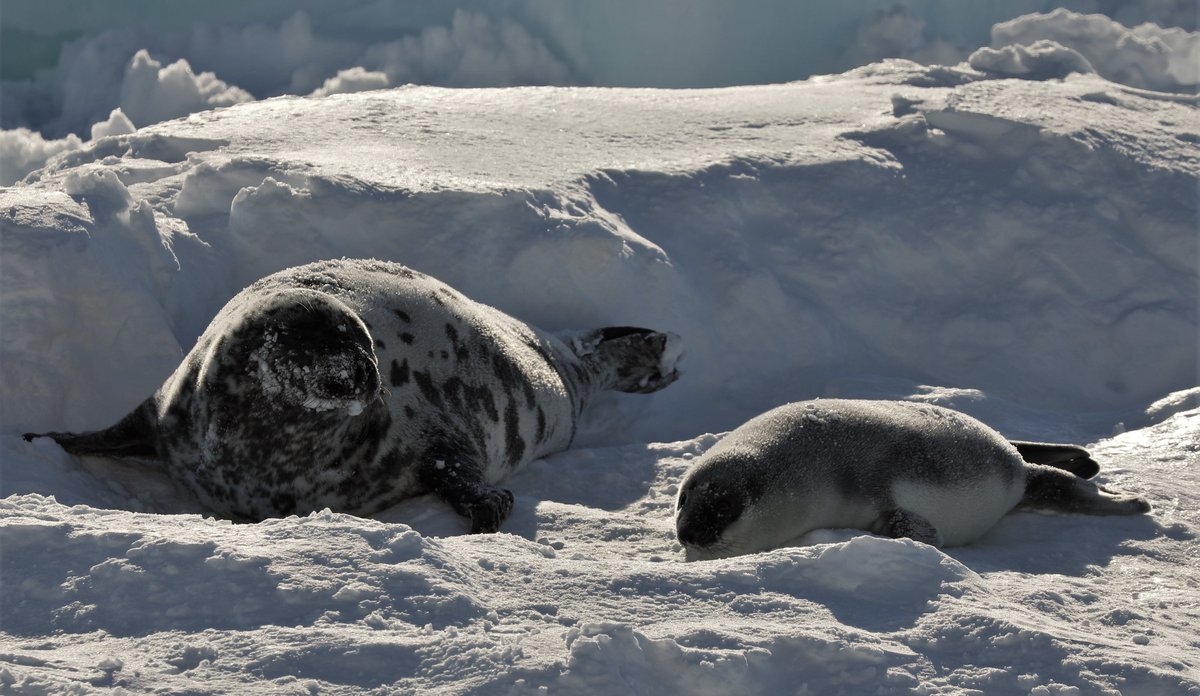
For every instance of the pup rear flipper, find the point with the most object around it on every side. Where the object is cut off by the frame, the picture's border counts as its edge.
(1074, 459)
(133, 436)
(1048, 488)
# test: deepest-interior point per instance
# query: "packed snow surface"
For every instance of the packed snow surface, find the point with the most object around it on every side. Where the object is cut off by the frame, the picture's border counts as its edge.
(68, 64)
(1022, 249)
(68, 72)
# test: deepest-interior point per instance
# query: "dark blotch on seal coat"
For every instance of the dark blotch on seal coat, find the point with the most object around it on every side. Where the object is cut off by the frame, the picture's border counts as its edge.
(896, 468)
(289, 403)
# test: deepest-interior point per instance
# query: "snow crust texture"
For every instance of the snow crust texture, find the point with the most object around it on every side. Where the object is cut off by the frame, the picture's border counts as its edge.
(69, 69)
(585, 591)
(1032, 240)
(1147, 56)
(1024, 250)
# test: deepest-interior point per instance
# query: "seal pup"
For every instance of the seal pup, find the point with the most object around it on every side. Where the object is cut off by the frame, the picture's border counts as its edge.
(895, 468)
(354, 384)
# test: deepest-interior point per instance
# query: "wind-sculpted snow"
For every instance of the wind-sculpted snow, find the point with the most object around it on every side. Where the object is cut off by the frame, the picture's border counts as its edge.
(964, 233)
(1021, 249)
(1041, 60)
(85, 57)
(151, 92)
(67, 70)
(587, 593)
(1147, 56)
(23, 150)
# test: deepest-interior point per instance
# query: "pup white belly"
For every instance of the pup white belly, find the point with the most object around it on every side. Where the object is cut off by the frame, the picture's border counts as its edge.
(962, 513)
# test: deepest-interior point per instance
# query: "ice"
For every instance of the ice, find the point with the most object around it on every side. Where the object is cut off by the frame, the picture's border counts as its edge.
(23, 150)
(1041, 60)
(355, 79)
(117, 124)
(70, 69)
(685, 224)
(1023, 250)
(1146, 55)
(151, 92)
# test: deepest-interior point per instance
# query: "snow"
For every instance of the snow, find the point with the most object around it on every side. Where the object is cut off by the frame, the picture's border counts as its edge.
(1024, 250)
(1041, 60)
(585, 591)
(116, 124)
(152, 92)
(1147, 55)
(23, 150)
(143, 64)
(67, 65)
(356, 79)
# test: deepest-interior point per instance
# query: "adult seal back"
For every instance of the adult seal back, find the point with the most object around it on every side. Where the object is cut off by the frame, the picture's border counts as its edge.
(895, 468)
(354, 384)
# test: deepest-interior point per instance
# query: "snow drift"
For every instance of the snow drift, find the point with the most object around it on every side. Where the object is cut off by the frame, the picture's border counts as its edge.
(1025, 250)
(1147, 55)
(977, 247)
(154, 73)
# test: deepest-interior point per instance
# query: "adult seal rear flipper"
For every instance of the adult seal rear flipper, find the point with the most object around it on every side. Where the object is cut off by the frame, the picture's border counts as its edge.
(132, 436)
(1070, 458)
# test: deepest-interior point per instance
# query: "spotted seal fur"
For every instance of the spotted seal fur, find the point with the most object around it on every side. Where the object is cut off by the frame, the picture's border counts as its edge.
(354, 384)
(895, 468)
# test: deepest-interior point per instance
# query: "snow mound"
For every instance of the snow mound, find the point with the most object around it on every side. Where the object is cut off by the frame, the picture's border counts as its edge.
(900, 573)
(1021, 249)
(674, 211)
(23, 150)
(69, 69)
(352, 80)
(1041, 60)
(116, 124)
(1169, 405)
(1146, 56)
(588, 591)
(152, 92)
(124, 573)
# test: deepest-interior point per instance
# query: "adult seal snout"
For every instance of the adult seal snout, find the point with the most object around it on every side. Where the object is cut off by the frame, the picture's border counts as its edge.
(896, 468)
(354, 384)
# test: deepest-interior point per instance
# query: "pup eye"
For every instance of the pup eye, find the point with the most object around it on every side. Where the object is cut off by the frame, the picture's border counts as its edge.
(682, 497)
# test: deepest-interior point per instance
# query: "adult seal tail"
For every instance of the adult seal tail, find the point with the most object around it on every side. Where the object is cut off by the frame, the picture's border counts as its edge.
(354, 384)
(896, 468)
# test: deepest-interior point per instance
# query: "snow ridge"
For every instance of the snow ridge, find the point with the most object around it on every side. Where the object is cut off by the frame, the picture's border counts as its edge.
(1021, 249)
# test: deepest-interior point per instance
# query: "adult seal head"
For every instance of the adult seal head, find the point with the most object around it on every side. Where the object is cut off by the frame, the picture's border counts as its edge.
(354, 384)
(896, 468)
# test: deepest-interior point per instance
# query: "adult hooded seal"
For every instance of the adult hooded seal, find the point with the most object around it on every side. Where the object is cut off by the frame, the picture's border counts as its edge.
(354, 384)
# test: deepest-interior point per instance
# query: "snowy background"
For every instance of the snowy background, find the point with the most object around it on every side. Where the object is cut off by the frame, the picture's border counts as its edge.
(1001, 216)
